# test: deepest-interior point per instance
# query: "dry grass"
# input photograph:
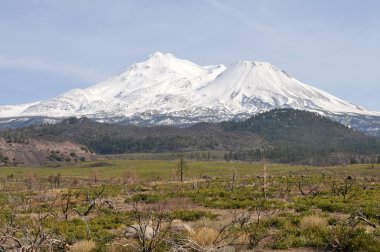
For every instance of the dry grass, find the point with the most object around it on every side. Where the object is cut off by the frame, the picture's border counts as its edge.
(204, 236)
(313, 221)
(123, 245)
(179, 203)
(83, 246)
(174, 204)
(204, 222)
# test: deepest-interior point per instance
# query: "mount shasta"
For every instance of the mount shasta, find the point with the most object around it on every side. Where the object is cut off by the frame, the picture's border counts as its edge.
(165, 90)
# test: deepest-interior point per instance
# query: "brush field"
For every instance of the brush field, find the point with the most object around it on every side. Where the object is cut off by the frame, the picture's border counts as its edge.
(220, 206)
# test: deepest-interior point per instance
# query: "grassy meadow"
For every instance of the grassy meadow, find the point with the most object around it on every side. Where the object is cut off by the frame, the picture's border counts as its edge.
(163, 169)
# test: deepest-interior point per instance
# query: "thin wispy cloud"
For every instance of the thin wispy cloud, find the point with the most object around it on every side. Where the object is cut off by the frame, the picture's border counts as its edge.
(81, 73)
(239, 16)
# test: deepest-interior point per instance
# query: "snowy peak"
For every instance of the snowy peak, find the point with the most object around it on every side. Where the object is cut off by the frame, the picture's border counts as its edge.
(160, 62)
(159, 58)
(254, 86)
(159, 54)
(164, 89)
(253, 64)
(159, 75)
(252, 79)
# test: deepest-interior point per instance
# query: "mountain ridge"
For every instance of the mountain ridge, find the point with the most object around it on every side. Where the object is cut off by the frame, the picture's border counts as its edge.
(281, 135)
(165, 90)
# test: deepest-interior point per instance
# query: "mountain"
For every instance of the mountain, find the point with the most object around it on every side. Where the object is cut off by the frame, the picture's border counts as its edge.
(165, 90)
(280, 135)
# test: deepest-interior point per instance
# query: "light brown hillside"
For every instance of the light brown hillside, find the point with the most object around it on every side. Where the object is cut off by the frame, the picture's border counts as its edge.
(38, 152)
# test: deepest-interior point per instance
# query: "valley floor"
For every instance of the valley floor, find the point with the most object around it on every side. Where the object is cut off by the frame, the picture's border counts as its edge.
(219, 206)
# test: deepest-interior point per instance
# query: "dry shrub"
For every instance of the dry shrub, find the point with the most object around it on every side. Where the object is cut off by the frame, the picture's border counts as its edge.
(178, 226)
(172, 204)
(313, 221)
(173, 174)
(83, 246)
(130, 177)
(119, 248)
(245, 238)
(30, 180)
(204, 236)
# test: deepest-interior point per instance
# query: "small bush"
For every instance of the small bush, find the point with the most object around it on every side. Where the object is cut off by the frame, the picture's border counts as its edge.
(71, 231)
(313, 235)
(301, 208)
(256, 235)
(146, 198)
(205, 236)
(313, 221)
(343, 238)
(283, 241)
(332, 221)
(187, 215)
(330, 206)
(276, 222)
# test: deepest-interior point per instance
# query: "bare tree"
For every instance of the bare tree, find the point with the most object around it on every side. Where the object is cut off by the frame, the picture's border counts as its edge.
(29, 235)
(232, 183)
(68, 204)
(265, 183)
(92, 199)
(345, 187)
(182, 165)
(358, 217)
(307, 187)
(151, 228)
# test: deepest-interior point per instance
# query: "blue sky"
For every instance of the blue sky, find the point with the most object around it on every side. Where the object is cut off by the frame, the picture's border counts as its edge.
(51, 46)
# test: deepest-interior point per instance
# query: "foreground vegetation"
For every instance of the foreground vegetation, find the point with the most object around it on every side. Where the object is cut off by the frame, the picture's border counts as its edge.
(233, 206)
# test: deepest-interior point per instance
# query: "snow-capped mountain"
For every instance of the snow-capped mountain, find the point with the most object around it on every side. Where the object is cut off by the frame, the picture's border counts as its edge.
(167, 90)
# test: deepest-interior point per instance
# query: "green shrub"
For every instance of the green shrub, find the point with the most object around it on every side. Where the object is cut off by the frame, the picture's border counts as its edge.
(109, 220)
(343, 238)
(329, 206)
(187, 215)
(332, 221)
(276, 222)
(312, 237)
(283, 241)
(71, 231)
(256, 234)
(299, 208)
(145, 198)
